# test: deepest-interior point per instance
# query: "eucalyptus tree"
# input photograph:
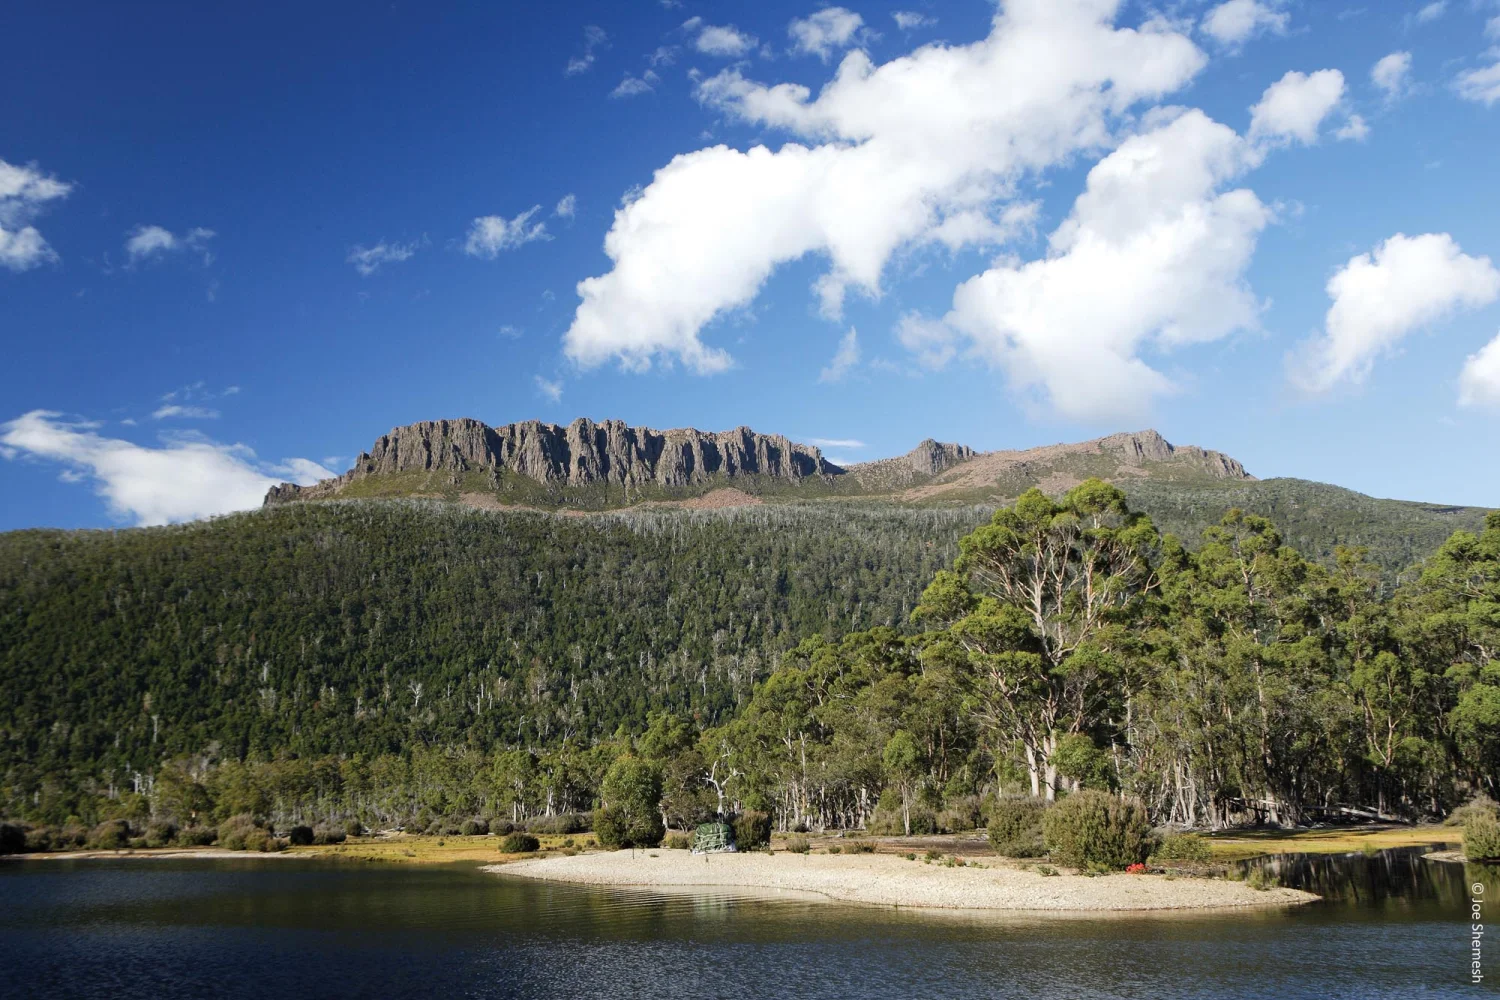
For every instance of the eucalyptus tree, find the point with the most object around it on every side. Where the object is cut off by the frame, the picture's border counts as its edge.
(1039, 608)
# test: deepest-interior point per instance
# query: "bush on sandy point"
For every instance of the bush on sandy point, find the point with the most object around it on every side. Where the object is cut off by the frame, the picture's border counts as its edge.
(1015, 826)
(1481, 836)
(519, 843)
(752, 831)
(1182, 847)
(112, 834)
(245, 833)
(1090, 828)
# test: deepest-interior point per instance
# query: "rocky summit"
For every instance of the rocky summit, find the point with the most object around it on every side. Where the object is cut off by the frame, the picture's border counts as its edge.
(597, 465)
(583, 453)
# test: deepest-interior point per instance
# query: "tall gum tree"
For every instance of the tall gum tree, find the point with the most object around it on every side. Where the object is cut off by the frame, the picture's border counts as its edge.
(1038, 609)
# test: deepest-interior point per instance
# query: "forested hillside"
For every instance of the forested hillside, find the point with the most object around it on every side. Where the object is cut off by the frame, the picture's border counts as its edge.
(398, 662)
(369, 627)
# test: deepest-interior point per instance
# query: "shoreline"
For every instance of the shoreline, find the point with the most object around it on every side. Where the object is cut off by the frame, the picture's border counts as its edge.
(892, 880)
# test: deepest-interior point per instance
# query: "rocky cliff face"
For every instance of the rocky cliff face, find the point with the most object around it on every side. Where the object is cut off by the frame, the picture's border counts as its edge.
(1149, 446)
(582, 453)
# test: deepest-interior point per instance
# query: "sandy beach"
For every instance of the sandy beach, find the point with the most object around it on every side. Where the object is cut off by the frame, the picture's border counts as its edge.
(890, 880)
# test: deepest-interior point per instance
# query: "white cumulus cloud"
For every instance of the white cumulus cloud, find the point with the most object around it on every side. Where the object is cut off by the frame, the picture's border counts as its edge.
(909, 20)
(721, 40)
(490, 234)
(844, 359)
(1294, 107)
(1479, 382)
(1406, 283)
(1481, 85)
(368, 260)
(594, 38)
(183, 479)
(825, 32)
(147, 242)
(549, 389)
(1431, 12)
(924, 149)
(1391, 73)
(1236, 22)
(24, 193)
(1152, 257)
(567, 206)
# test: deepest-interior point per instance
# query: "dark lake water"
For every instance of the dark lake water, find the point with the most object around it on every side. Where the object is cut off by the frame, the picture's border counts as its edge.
(1394, 926)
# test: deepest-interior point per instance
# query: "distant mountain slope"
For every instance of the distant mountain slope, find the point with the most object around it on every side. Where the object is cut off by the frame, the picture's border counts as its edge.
(608, 465)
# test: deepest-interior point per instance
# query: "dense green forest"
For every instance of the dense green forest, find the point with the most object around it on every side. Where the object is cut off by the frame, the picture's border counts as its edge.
(370, 628)
(406, 663)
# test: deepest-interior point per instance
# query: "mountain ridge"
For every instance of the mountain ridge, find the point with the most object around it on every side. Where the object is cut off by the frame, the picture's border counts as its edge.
(476, 459)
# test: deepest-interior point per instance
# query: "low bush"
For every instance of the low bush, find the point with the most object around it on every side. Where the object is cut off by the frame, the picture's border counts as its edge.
(1015, 826)
(301, 836)
(245, 833)
(801, 827)
(41, 838)
(1182, 847)
(834, 849)
(798, 844)
(112, 834)
(160, 834)
(354, 828)
(677, 842)
(1096, 828)
(752, 831)
(519, 843)
(1262, 879)
(474, 828)
(860, 847)
(1482, 835)
(329, 835)
(196, 836)
(562, 823)
(959, 815)
(613, 830)
(1479, 803)
(12, 838)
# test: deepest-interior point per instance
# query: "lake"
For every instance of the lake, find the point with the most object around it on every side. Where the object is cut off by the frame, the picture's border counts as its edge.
(1393, 926)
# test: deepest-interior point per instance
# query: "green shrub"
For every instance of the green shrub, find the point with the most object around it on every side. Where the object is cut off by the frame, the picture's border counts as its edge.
(752, 831)
(860, 847)
(562, 823)
(1090, 827)
(301, 836)
(474, 828)
(1482, 835)
(1015, 826)
(160, 834)
(798, 844)
(615, 829)
(1262, 879)
(112, 834)
(674, 841)
(1479, 803)
(354, 828)
(519, 843)
(196, 836)
(245, 833)
(1183, 847)
(41, 839)
(329, 835)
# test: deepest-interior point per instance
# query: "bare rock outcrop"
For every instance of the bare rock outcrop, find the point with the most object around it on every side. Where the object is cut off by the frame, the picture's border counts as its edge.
(580, 454)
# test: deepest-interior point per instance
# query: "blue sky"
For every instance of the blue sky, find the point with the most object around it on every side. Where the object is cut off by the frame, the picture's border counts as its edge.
(239, 243)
